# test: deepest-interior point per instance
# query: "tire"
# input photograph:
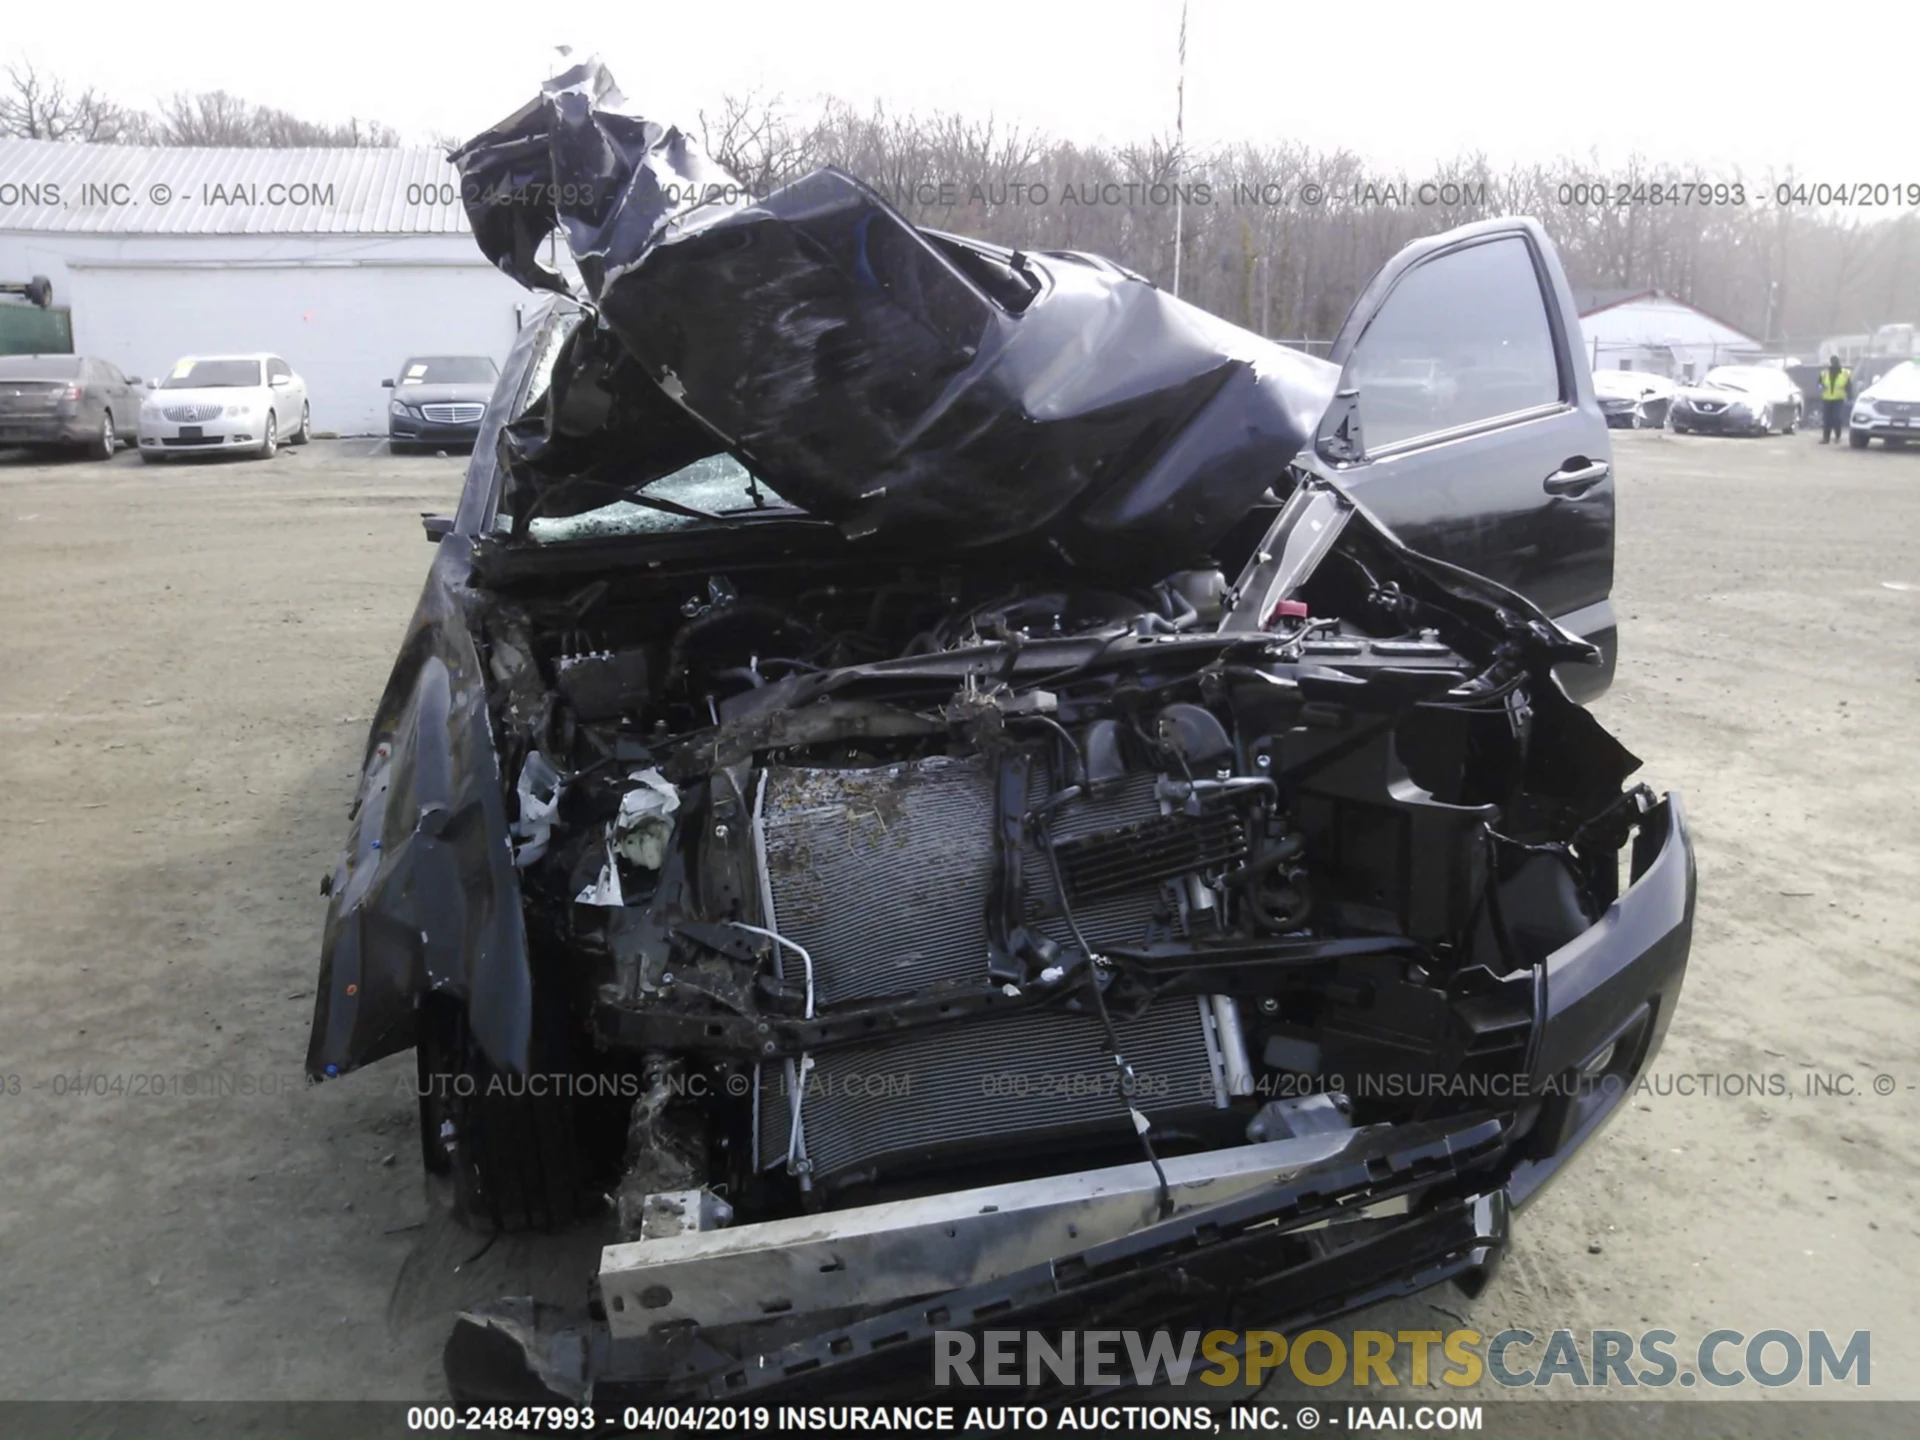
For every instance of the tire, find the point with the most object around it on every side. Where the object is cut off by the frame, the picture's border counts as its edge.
(502, 1162)
(305, 432)
(398, 447)
(152, 457)
(270, 442)
(1858, 439)
(102, 446)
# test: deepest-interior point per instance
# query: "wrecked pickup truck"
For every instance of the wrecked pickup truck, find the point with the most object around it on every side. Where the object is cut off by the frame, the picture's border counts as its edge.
(934, 787)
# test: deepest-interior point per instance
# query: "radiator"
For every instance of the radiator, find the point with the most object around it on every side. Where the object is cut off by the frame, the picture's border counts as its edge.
(883, 874)
(1026, 1079)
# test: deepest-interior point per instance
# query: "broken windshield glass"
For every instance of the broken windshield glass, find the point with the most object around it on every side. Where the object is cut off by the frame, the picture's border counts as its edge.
(717, 485)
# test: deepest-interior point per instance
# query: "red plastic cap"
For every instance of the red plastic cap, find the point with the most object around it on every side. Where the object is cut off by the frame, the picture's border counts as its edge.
(1288, 610)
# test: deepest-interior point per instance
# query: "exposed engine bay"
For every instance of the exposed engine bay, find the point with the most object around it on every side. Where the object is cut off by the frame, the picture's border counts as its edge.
(886, 882)
(933, 787)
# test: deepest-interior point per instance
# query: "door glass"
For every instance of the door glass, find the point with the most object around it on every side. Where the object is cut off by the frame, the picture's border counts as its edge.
(1462, 338)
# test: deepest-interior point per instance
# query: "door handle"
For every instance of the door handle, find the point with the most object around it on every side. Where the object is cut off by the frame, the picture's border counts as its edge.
(1573, 481)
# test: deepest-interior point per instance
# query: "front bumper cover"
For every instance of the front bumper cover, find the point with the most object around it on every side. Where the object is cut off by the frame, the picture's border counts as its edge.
(224, 432)
(409, 431)
(1900, 427)
(1288, 1255)
(1732, 421)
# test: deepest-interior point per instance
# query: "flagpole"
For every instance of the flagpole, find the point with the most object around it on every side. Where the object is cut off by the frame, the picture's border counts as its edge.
(1179, 147)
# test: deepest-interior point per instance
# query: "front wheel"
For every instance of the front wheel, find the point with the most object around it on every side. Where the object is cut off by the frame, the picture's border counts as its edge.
(270, 444)
(102, 446)
(1858, 439)
(151, 457)
(305, 432)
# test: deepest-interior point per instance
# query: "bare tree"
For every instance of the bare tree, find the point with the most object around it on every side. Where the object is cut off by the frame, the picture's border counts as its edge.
(751, 139)
(217, 118)
(38, 107)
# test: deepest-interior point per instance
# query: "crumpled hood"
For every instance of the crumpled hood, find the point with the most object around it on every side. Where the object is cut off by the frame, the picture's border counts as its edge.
(883, 378)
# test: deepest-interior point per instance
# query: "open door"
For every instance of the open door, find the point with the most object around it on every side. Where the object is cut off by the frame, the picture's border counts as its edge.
(1466, 423)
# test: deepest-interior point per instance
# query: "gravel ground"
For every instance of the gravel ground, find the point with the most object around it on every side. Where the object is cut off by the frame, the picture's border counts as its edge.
(190, 657)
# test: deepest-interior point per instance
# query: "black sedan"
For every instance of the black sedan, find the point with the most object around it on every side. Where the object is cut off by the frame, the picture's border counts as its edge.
(1739, 400)
(438, 401)
(67, 402)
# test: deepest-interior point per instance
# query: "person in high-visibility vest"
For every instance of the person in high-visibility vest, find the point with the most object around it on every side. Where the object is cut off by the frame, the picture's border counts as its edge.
(1834, 383)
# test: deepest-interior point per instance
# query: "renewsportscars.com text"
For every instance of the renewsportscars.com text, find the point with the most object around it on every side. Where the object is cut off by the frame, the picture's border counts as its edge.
(1459, 1358)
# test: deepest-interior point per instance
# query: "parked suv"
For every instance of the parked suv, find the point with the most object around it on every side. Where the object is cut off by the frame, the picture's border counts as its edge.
(244, 404)
(920, 747)
(1888, 409)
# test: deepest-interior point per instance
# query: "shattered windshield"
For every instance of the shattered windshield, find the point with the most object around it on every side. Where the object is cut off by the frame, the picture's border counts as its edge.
(717, 484)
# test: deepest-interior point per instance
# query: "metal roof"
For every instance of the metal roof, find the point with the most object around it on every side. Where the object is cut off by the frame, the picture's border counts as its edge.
(53, 186)
(1589, 301)
(1593, 302)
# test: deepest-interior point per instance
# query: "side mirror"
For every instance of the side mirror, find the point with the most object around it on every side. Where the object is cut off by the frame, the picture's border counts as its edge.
(386, 384)
(438, 527)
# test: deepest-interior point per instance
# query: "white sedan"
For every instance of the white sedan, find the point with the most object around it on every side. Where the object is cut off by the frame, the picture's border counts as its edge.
(1637, 399)
(232, 403)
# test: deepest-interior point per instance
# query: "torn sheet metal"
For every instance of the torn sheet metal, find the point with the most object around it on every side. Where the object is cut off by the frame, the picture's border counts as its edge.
(881, 377)
(426, 898)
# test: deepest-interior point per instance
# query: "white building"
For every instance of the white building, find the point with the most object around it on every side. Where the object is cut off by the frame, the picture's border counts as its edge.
(1652, 330)
(343, 261)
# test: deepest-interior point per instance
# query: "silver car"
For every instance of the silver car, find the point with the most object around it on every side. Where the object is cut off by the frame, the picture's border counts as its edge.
(1634, 399)
(1888, 408)
(1739, 400)
(244, 404)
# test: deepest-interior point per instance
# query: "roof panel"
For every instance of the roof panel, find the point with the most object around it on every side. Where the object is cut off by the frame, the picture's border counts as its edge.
(52, 186)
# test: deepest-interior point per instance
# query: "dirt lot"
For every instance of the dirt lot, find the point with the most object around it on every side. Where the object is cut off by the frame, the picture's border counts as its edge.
(190, 656)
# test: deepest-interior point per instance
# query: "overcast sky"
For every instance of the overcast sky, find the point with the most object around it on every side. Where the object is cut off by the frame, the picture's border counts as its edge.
(1709, 83)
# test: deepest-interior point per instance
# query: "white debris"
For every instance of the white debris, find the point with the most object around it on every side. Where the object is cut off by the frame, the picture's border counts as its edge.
(539, 787)
(638, 835)
(645, 822)
(606, 890)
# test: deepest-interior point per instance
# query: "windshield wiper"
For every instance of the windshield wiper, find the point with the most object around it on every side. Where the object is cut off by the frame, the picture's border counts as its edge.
(672, 507)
